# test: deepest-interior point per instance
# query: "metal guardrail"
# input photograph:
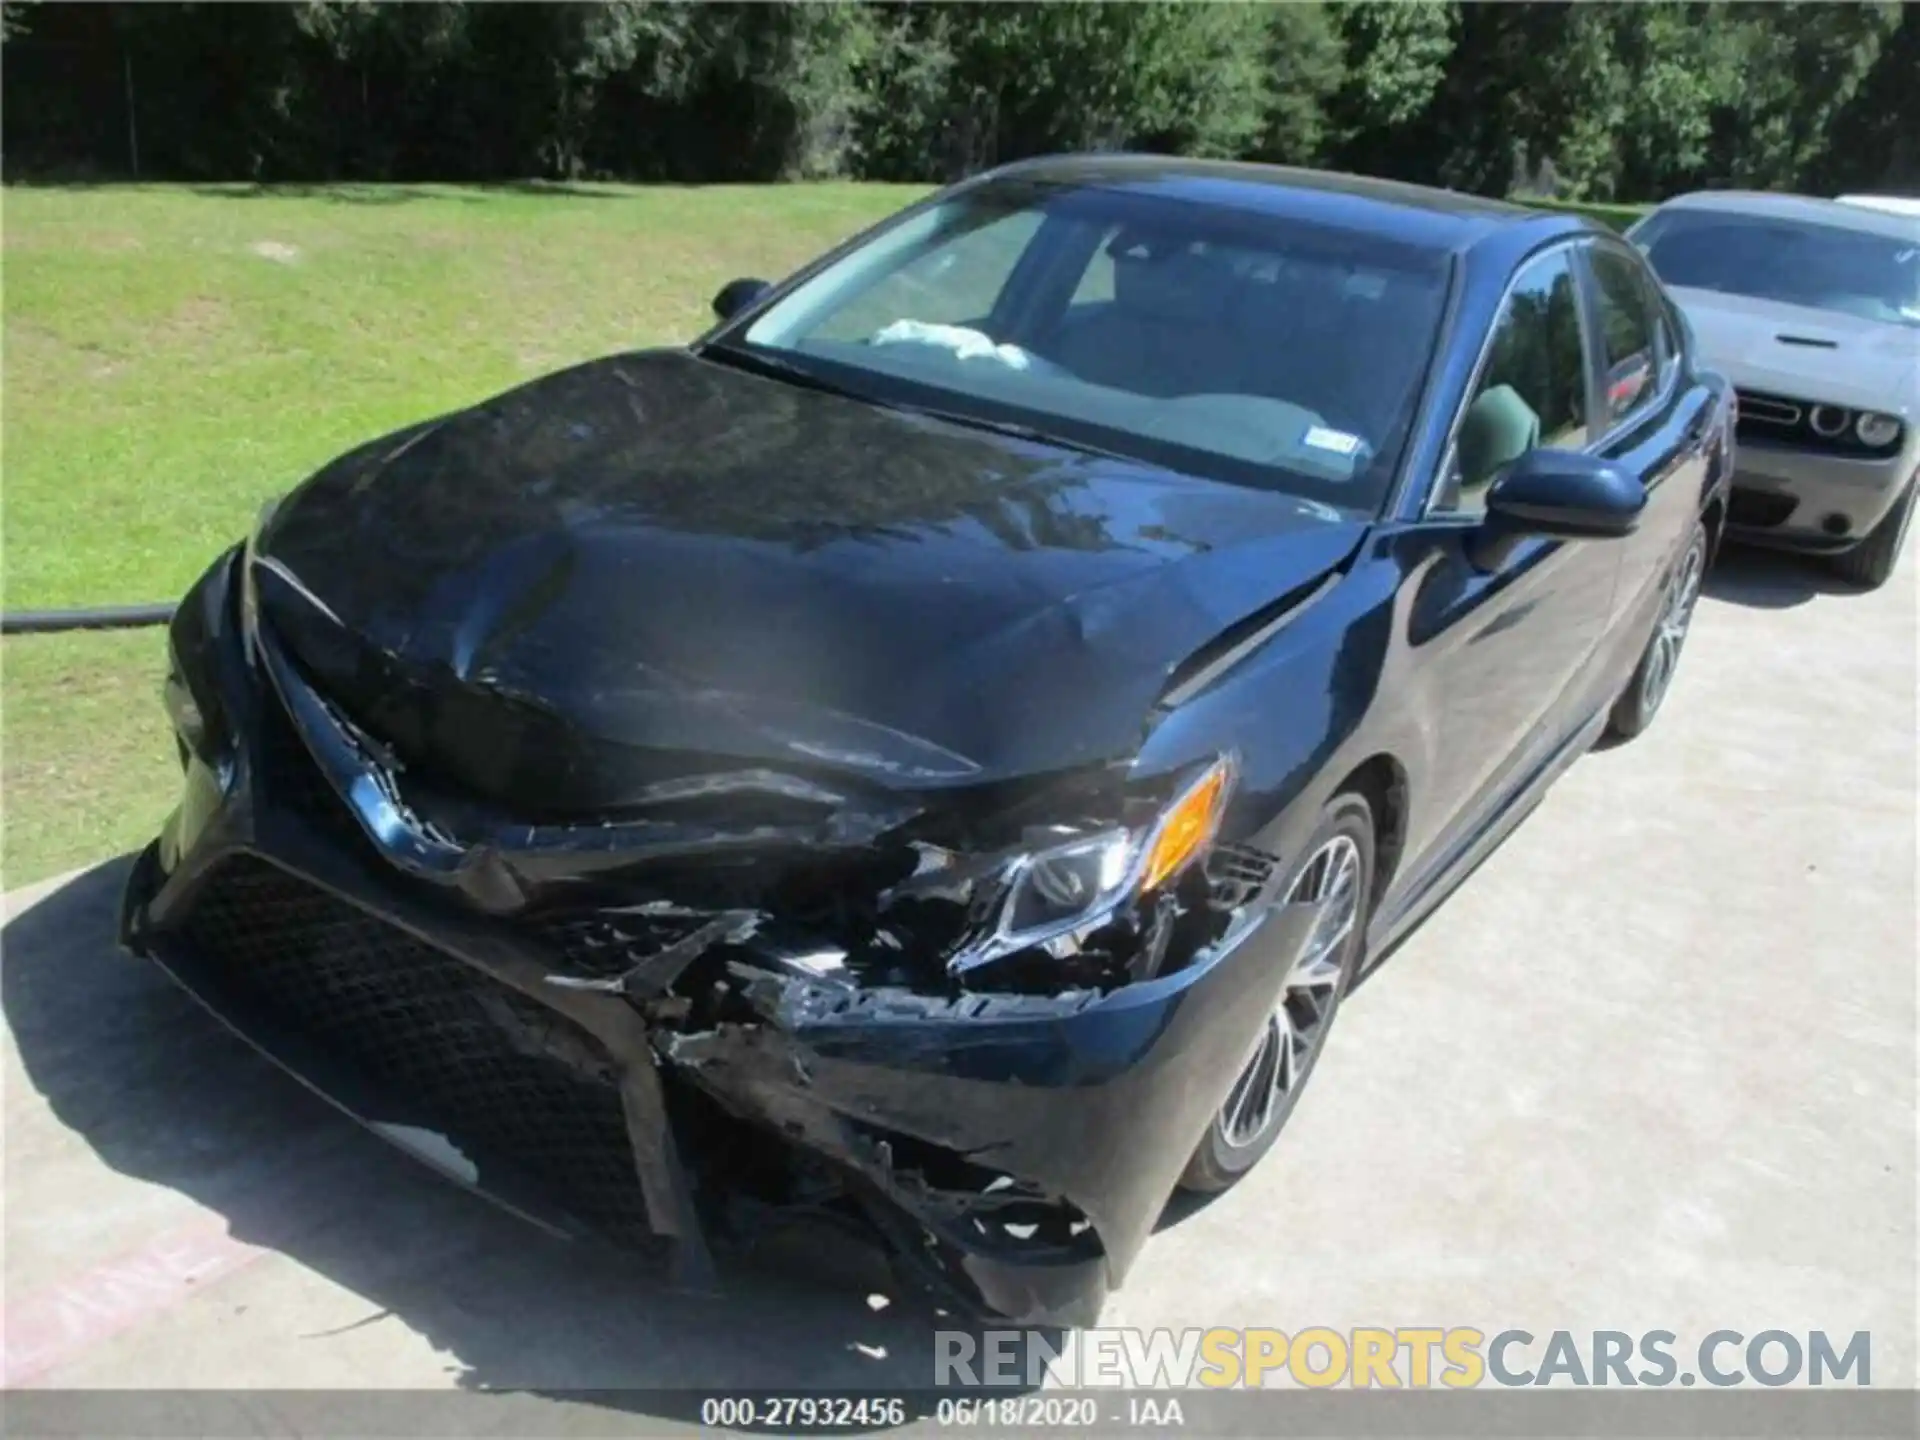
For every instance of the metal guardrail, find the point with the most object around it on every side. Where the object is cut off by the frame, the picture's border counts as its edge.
(111, 617)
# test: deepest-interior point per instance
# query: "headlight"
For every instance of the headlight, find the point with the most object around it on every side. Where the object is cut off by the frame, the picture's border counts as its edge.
(1828, 421)
(1060, 890)
(1876, 431)
(1067, 882)
(196, 638)
(189, 725)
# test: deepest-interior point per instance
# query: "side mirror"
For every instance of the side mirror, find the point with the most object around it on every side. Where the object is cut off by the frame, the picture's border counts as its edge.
(1560, 494)
(737, 295)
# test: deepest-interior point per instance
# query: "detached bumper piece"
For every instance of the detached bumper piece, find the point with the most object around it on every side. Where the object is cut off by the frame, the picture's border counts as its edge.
(463, 1061)
(466, 1072)
(660, 1057)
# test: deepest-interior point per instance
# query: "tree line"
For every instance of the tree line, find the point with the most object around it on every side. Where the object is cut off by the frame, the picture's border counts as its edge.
(1585, 101)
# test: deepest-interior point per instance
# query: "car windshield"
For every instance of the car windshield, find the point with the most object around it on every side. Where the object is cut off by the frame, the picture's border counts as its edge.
(1797, 262)
(1203, 338)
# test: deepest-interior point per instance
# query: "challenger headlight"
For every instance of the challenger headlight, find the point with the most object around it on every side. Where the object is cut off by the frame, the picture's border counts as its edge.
(1060, 890)
(1829, 422)
(1876, 431)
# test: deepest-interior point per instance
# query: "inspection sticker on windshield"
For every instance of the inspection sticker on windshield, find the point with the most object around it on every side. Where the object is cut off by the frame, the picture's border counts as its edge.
(1338, 441)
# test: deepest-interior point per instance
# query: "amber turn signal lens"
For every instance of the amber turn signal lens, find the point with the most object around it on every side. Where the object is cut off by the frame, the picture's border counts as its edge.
(1188, 826)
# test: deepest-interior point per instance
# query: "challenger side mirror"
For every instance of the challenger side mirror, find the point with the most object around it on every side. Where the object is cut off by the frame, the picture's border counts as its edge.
(737, 295)
(1561, 495)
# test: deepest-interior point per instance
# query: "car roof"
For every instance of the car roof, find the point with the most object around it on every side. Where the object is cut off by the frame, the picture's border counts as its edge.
(1416, 214)
(1893, 204)
(1814, 209)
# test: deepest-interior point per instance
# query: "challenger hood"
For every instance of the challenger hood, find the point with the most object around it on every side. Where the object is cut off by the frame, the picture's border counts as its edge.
(655, 555)
(1806, 354)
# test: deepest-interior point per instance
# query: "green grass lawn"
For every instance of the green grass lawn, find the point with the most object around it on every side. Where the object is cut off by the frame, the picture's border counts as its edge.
(173, 357)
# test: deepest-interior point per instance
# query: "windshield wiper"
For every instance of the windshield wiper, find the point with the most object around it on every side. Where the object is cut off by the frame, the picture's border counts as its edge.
(1011, 429)
(760, 362)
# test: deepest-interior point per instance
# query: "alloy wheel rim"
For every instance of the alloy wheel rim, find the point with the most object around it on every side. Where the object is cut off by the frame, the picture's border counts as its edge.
(1330, 882)
(1671, 632)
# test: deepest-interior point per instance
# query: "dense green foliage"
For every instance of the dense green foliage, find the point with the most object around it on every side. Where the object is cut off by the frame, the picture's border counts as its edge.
(1585, 101)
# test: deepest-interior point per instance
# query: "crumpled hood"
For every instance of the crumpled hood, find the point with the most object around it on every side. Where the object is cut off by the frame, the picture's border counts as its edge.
(1806, 354)
(657, 553)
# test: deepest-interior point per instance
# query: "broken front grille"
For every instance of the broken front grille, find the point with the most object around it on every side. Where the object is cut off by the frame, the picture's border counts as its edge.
(821, 901)
(461, 1053)
(805, 903)
(289, 770)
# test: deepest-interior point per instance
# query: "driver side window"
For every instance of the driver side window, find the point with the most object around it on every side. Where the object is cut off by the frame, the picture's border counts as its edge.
(1532, 389)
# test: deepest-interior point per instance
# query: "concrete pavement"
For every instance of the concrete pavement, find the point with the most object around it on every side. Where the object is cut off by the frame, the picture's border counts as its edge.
(1653, 1067)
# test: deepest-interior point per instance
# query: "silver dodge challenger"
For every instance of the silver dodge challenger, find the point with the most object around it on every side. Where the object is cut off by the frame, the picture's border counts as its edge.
(1812, 309)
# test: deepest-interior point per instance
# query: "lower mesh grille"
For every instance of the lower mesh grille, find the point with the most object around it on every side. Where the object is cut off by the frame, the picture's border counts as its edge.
(474, 1059)
(1759, 508)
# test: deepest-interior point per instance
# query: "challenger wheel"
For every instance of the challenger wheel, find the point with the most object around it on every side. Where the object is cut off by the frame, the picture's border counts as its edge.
(1653, 676)
(1336, 878)
(1870, 563)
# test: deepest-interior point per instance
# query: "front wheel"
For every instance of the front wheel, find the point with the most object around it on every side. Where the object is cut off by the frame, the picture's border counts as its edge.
(1653, 676)
(1336, 878)
(1870, 563)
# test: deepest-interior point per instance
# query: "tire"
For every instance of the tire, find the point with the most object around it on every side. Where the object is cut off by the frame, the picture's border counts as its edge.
(1228, 1150)
(1653, 676)
(1870, 563)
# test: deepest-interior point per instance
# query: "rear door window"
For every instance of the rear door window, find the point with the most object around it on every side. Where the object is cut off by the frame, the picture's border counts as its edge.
(1629, 332)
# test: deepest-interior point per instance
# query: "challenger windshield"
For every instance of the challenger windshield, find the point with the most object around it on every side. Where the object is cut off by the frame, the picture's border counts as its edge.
(1796, 262)
(1207, 339)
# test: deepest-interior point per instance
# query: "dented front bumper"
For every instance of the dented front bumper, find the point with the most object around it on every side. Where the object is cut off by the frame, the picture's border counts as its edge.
(1014, 1150)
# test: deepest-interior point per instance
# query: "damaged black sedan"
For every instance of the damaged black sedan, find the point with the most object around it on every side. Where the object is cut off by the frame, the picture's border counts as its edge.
(935, 752)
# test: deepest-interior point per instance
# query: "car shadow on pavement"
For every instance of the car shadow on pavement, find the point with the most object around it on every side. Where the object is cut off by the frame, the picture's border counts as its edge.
(1770, 579)
(162, 1093)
